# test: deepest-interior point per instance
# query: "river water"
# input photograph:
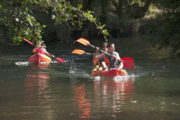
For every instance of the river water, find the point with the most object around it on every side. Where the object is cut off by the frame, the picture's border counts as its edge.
(67, 91)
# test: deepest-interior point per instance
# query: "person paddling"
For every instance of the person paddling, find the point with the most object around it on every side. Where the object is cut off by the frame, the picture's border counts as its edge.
(41, 48)
(112, 60)
(98, 57)
(97, 61)
(114, 57)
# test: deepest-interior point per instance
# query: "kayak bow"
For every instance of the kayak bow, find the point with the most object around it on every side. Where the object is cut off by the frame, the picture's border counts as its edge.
(109, 73)
(39, 58)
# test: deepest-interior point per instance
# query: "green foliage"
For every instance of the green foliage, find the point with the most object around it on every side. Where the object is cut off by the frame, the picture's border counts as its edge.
(19, 18)
(76, 16)
(20, 22)
(168, 4)
(122, 17)
(165, 26)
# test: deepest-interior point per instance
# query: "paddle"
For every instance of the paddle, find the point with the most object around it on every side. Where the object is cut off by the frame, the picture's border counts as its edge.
(87, 43)
(80, 52)
(127, 61)
(58, 59)
(28, 41)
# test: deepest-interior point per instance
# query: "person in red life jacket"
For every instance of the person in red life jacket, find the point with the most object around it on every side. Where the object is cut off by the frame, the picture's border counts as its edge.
(112, 60)
(41, 48)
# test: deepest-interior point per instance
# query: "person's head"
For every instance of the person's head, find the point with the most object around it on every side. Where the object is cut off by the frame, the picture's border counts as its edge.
(111, 47)
(104, 46)
(40, 44)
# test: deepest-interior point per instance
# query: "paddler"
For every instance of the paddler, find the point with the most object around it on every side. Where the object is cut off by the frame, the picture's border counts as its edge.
(112, 60)
(100, 62)
(114, 57)
(41, 48)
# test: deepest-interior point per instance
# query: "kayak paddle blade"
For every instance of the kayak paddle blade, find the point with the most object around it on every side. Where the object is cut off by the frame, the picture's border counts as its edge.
(83, 41)
(128, 63)
(60, 60)
(79, 52)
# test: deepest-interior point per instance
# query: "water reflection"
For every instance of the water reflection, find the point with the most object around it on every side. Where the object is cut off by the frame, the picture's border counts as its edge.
(37, 98)
(36, 80)
(113, 93)
(105, 96)
(84, 105)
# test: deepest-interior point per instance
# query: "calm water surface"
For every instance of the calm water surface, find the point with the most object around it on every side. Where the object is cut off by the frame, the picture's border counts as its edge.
(68, 91)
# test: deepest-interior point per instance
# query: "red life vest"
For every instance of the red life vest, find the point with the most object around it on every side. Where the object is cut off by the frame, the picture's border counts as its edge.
(107, 61)
(41, 50)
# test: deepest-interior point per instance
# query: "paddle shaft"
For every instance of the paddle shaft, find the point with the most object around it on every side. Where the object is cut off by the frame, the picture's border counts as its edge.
(101, 50)
(29, 42)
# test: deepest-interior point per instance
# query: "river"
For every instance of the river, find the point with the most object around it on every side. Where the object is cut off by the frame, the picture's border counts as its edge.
(67, 91)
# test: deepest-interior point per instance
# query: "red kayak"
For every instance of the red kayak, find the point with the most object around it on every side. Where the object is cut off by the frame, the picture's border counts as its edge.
(39, 58)
(109, 73)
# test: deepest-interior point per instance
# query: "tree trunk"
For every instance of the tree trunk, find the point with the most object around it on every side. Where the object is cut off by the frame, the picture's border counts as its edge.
(104, 4)
(87, 4)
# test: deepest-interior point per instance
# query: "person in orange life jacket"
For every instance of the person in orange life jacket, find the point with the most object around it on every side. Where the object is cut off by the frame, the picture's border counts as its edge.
(41, 48)
(112, 60)
(100, 61)
(114, 57)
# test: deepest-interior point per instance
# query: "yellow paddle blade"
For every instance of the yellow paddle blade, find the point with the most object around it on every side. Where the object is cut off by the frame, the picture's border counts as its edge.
(83, 41)
(78, 51)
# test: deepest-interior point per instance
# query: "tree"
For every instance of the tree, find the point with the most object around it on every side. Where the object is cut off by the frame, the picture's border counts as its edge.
(165, 26)
(18, 17)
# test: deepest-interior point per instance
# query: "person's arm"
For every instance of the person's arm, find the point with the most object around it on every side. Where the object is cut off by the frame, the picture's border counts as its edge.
(104, 65)
(95, 61)
(97, 51)
(100, 56)
(120, 66)
(48, 54)
(116, 55)
(34, 50)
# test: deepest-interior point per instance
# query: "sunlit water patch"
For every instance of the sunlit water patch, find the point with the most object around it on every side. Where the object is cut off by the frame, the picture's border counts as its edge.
(22, 63)
(26, 63)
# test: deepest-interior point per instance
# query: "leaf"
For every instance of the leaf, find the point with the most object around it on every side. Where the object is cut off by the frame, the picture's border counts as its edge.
(79, 5)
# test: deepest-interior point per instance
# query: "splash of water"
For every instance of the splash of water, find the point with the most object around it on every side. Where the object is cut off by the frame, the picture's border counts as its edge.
(22, 63)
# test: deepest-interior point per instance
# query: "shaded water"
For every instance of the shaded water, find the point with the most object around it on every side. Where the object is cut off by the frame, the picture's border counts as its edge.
(68, 91)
